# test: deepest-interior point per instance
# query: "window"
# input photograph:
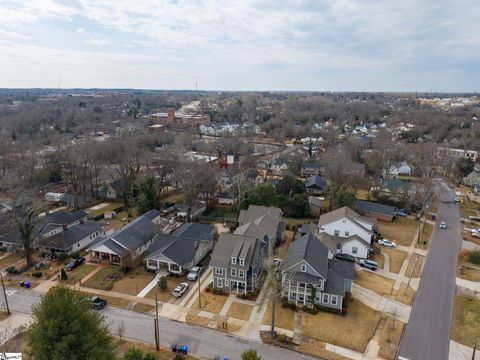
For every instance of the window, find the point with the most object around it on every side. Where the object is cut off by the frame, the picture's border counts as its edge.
(241, 273)
(219, 283)
(354, 250)
(234, 261)
(233, 272)
(347, 233)
(227, 282)
(333, 300)
(325, 298)
(339, 246)
(336, 232)
(242, 262)
(304, 267)
(218, 271)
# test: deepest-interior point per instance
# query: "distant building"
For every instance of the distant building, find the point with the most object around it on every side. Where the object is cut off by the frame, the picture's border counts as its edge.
(173, 119)
(458, 153)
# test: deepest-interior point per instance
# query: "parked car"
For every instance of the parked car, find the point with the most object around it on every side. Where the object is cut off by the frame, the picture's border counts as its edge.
(194, 273)
(98, 303)
(180, 290)
(345, 257)
(400, 213)
(386, 243)
(456, 199)
(406, 211)
(475, 233)
(369, 264)
(442, 225)
(74, 263)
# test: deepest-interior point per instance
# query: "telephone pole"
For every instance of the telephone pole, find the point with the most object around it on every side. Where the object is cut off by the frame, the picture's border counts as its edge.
(199, 292)
(474, 350)
(411, 274)
(5, 294)
(157, 328)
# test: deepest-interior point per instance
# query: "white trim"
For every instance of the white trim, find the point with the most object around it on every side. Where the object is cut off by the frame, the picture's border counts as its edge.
(303, 260)
(334, 297)
(219, 283)
(233, 272)
(241, 273)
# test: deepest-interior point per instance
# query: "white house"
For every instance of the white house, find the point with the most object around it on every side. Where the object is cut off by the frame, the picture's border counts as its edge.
(399, 169)
(346, 232)
(279, 165)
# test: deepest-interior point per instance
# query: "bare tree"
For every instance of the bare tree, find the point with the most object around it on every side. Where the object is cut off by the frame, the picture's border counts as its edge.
(120, 331)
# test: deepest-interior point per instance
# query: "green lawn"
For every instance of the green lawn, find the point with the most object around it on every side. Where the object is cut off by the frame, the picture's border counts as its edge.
(79, 273)
(99, 281)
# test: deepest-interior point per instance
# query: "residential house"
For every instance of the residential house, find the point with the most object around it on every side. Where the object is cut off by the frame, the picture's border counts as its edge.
(376, 210)
(225, 178)
(358, 232)
(310, 168)
(225, 198)
(180, 251)
(316, 205)
(307, 266)
(315, 185)
(472, 178)
(268, 218)
(279, 166)
(398, 169)
(127, 244)
(255, 177)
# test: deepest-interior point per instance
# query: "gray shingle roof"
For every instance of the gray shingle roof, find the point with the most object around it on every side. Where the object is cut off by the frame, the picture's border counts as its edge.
(229, 245)
(310, 165)
(74, 234)
(178, 249)
(268, 218)
(315, 181)
(368, 206)
(195, 231)
(338, 272)
(152, 214)
(344, 212)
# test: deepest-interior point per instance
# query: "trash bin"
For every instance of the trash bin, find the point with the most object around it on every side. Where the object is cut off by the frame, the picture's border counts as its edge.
(434, 216)
(27, 284)
(184, 349)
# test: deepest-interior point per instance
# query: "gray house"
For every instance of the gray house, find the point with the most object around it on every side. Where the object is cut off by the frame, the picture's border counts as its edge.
(180, 251)
(307, 266)
(267, 218)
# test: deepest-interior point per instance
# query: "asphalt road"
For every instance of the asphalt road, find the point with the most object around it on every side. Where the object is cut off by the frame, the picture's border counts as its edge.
(201, 341)
(427, 335)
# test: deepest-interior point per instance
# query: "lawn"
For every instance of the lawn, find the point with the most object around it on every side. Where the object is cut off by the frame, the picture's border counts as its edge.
(293, 222)
(377, 283)
(80, 272)
(468, 237)
(466, 320)
(401, 230)
(165, 295)
(352, 330)
(467, 270)
(211, 303)
(100, 281)
(192, 318)
(469, 208)
(418, 267)
(281, 251)
(390, 332)
(9, 260)
(134, 281)
(396, 258)
(378, 257)
(405, 297)
(317, 348)
(362, 194)
(111, 206)
(425, 235)
(284, 318)
(240, 311)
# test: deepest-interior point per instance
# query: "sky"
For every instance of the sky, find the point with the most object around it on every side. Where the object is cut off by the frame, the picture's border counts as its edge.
(317, 45)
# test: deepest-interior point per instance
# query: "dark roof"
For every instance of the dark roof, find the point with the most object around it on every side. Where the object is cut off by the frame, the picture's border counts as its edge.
(268, 218)
(338, 272)
(195, 231)
(63, 217)
(315, 181)
(280, 161)
(396, 184)
(234, 245)
(152, 214)
(12, 237)
(71, 236)
(308, 228)
(310, 165)
(310, 249)
(372, 207)
(180, 250)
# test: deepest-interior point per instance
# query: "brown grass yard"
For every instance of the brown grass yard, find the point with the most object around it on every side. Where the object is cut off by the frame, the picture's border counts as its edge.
(3, 315)
(465, 269)
(466, 320)
(134, 281)
(99, 281)
(469, 208)
(294, 222)
(377, 283)
(396, 258)
(425, 235)
(194, 319)
(390, 332)
(9, 260)
(284, 318)
(211, 303)
(281, 251)
(240, 311)
(80, 272)
(401, 230)
(378, 257)
(165, 295)
(402, 296)
(418, 267)
(353, 330)
(317, 348)
(467, 235)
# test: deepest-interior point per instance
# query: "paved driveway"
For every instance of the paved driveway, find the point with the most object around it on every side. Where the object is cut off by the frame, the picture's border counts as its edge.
(427, 335)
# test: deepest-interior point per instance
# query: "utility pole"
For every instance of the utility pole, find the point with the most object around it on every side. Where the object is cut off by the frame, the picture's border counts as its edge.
(157, 329)
(474, 350)
(5, 294)
(411, 274)
(199, 292)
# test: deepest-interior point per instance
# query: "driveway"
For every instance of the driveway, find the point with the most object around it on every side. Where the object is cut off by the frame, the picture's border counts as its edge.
(427, 335)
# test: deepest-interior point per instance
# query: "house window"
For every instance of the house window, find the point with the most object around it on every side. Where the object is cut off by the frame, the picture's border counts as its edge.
(354, 250)
(304, 268)
(242, 262)
(333, 300)
(218, 271)
(241, 273)
(339, 246)
(234, 261)
(233, 272)
(336, 232)
(347, 233)
(220, 283)
(325, 298)
(227, 282)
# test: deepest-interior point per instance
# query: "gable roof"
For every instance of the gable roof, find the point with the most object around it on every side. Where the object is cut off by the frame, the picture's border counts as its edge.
(71, 236)
(180, 250)
(195, 231)
(152, 214)
(338, 272)
(63, 217)
(373, 207)
(345, 212)
(279, 162)
(234, 245)
(267, 218)
(310, 165)
(331, 241)
(315, 181)
(308, 248)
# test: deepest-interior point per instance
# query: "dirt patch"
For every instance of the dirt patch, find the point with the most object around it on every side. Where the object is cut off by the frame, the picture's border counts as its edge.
(211, 303)
(284, 317)
(396, 259)
(377, 283)
(240, 311)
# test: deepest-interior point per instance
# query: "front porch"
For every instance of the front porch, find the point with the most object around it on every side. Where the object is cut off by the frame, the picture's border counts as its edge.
(104, 257)
(164, 266)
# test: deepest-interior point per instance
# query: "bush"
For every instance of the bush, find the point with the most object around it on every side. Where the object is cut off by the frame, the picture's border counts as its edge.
(474, 257)
(62, 257)
(37, 274)
(133, 353)
(162, 283)
(282, 338)
(174, 274)
(151, 356)
(63, 275)
(285, 304)
(11, 270)
(293, 306)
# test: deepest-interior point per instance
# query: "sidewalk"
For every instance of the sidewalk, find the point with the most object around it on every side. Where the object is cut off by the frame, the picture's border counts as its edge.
(150, 286)
(461, 352)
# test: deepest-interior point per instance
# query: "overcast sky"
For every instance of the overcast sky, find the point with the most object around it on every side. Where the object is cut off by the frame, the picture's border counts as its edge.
(367, 45)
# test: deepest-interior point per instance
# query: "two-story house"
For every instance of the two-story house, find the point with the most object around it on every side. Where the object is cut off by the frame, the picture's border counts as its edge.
(279, 166)
(310, 277)
(354, 234)
(269, 219)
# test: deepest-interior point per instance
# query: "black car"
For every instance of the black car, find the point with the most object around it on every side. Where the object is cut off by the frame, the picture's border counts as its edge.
(345, 257)
(74, 263)
(98, 303)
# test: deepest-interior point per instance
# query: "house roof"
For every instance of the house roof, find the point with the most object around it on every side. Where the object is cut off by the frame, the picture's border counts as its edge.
(308, 228)
(331, 241)
(372, 207)
(315, 201)
(63, 217)
(195, 231)
(396, 184)
(233, 245)
(338, 272)
(315, 181)
(308, 248)
(344, 212)
(280, 161)
(268, 218)
(180, 250)
(152, 214)
(310, 165)
(71, 236)
(11, 237)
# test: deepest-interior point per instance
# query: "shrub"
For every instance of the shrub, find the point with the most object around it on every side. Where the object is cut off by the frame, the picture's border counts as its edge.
(313, 311)
(282, 338)
(285, 304)
(250, 354)
(37, 274)
(62, 257)
(474, 257)
(162, 283)
(63, 275)
(151, 356)
(133, 353)
(293, 306)
(11, 270)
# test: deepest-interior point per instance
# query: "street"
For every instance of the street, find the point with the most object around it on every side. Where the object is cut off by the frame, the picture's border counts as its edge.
(427, 335)
(201, 341)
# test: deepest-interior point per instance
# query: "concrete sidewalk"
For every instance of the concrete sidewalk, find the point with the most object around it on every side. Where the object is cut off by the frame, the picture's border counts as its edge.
(150, 285)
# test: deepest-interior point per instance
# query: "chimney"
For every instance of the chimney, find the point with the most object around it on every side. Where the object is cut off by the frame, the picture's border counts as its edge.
(65, 227)
(195, 244)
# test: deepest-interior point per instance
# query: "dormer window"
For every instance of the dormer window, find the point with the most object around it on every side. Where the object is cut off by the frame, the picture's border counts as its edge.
(303, 267)
(336, 232)
(242, 262)
(234, 261)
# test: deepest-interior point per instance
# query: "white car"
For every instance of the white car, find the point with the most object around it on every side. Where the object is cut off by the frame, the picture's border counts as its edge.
(180, 290)
(442, 225)
(386, 243)
(475, 233)
(194, 273)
